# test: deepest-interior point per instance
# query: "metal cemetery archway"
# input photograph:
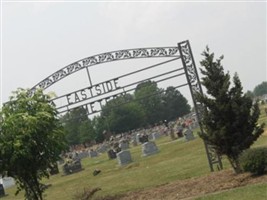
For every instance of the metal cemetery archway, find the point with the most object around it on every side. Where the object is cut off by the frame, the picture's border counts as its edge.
(98, 94)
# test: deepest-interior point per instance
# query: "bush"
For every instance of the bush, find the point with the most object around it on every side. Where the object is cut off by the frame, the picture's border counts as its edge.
(254, 160)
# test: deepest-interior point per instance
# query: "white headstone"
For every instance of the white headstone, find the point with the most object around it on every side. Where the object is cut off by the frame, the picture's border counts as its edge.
(7, 182)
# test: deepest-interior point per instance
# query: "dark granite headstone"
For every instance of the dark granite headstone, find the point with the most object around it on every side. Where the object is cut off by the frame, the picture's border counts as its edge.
(2, 190)
(54, 169)
(72, 167)
(112, 154)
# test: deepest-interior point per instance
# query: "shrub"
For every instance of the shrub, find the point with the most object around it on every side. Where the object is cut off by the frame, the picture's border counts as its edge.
(254, 160)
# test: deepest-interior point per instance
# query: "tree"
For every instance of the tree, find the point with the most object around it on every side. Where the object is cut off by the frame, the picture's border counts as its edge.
(250, 94)
(86, 131)
(230, 119)
(260, 89)
(31, 139)
(175, 104)
(75, 123)
(123, 114)
(149, 97)
(126, 117)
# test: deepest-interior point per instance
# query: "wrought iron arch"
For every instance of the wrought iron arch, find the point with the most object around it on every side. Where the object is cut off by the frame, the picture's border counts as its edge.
(107, 57)
(181, 51)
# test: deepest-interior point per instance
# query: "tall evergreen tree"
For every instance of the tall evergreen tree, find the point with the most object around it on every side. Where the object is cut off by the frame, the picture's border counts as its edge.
(229, 119)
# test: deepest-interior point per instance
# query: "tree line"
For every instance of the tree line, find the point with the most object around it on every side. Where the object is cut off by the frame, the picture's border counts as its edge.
(147, 106)
(259, 90)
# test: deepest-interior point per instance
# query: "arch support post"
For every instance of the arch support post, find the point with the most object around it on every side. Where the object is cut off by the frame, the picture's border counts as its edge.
(195, 87)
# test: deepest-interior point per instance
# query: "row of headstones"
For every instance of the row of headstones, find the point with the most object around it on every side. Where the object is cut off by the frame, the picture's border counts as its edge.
(124, 156)
(152, 136)
(124, 145)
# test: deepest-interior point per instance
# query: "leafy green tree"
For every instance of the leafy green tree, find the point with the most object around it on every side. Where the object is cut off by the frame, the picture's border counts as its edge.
(75, 123)
(230, 118)
(175, 104)
(86, 131)
(123, 114)
(260, 89)
(31, 139)
(149, 97)
(126, 117)
(100, 125)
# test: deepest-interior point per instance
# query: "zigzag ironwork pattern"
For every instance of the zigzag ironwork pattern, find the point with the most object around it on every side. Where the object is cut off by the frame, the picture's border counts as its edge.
(195, 88)
(107, 57)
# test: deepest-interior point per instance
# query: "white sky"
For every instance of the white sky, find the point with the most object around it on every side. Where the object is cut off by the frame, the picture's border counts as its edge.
(39, 38)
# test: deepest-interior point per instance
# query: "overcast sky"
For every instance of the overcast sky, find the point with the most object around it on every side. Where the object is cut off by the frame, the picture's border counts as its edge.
(39, 38)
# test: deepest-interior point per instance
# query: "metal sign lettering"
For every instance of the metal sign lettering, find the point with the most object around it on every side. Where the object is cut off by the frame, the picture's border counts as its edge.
(93, 91)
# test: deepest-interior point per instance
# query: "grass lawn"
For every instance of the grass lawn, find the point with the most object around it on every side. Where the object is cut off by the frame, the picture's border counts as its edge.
(176, 160)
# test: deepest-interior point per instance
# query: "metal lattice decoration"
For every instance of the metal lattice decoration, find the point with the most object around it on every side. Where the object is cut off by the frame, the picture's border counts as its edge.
(104, 58)
(91, 95)
(195, 88)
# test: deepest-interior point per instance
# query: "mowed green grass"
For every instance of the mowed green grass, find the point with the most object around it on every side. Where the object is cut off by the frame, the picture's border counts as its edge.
(176, 160)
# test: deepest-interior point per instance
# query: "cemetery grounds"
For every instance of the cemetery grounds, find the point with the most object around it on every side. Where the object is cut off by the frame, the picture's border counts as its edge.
(179, 171)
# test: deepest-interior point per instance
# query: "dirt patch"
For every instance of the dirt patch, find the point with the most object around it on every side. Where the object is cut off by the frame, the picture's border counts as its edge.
(191, 188)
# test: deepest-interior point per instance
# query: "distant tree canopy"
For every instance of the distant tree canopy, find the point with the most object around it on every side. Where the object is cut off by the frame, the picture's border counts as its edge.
(260, 89)
(148, 105)
(250, 94)
(78, 127)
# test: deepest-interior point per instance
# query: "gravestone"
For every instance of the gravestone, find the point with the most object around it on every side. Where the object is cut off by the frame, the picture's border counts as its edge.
(149, 148)
(124, 145)
(7, 182)
(2, 190)
(188, 134)
(155, 135)
(143, 138)
(150, 136)
(82, 155)
(134, 141)
(103, 148)
(53, 169)
(111, 154)
(92, 154)
(72, 167)
(124, 157)
(137, 138)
